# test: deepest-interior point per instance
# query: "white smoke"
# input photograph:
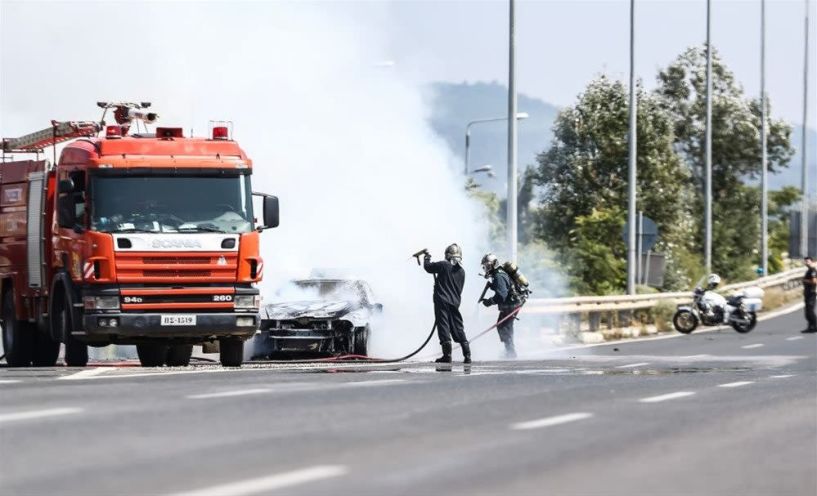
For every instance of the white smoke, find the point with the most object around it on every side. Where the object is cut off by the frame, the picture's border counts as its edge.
(340, 137)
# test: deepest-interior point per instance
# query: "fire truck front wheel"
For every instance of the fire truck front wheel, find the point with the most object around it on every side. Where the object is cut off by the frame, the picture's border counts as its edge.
(178, 355)
(231, 352)
(151, 355)
(18, 336)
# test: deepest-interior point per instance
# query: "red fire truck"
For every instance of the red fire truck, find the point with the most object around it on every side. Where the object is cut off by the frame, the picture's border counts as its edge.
(129, 238)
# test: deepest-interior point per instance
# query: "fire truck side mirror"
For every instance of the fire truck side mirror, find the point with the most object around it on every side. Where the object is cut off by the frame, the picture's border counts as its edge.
(66, 211)
(271, 212)
(66, 186)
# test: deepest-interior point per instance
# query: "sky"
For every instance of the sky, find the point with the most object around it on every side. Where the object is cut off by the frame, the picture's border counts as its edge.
(561, 45)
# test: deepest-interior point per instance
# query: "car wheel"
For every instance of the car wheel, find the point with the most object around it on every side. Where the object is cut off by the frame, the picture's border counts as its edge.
(152, 355)
(18, 337)
(231, 352)
(362, 342)
(179, 355)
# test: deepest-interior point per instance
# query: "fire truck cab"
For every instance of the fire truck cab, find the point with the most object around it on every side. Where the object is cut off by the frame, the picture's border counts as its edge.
(147, 239)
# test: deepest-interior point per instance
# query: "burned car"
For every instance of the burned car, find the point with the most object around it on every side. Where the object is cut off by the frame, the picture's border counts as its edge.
(328, 317)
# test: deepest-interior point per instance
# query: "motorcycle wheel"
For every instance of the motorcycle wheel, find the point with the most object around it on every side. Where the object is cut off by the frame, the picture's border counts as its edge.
(743, 328)
(684, 321)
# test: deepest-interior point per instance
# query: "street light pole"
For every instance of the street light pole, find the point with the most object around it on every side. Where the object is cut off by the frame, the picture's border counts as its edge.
(467, 145)
(511, 202)
(804, 248)
(631, 203)
(519, 116)
(764, 207)
(708, 165)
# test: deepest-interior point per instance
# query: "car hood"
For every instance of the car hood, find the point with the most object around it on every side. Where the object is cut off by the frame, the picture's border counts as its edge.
(304, 309)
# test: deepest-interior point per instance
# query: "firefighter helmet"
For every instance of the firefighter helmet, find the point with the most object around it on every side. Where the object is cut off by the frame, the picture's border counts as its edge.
(453, 253)
(489, 263)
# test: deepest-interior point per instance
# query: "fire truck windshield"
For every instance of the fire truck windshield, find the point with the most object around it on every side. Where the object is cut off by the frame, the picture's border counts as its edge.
(175, 203)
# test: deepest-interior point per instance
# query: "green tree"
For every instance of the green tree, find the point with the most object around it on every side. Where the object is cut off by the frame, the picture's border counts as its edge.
(597, 255)
(780, 207)
(736, 154)
(582, 181)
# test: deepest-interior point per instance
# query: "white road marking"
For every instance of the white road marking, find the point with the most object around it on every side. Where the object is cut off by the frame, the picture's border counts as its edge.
(373, 383)
(736, 384)
(549, 421)
(9, 381)
(794, 338)
(665, 397)
(228, 394)
(270, 482)
(633, 365)
(296, 387)
(35, 414)
(694, 356)
(84, 374)
(539, 371)
(784, 376)
(750, 346)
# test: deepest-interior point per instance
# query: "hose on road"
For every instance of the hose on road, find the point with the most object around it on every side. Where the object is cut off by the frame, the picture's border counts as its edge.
(368, 359)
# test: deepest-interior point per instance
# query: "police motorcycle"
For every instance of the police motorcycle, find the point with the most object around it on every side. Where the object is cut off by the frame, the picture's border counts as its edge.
(712, 309)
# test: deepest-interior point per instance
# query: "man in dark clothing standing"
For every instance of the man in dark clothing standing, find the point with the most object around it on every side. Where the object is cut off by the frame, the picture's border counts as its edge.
(448, 282)
(810, 294)
(500, 283)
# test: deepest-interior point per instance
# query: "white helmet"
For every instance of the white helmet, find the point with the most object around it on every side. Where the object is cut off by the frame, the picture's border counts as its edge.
(713, 280)
(489, 263)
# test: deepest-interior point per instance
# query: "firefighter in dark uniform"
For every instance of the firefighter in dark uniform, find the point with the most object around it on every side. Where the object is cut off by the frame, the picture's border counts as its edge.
(501, 284)
(448, 282)
(810, 294)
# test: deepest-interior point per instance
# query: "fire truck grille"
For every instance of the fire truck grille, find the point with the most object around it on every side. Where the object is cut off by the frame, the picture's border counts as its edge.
(165, 261)
(175, 267)
(177, 273)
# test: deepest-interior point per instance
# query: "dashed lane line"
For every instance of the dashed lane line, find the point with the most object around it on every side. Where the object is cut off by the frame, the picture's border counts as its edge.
(752, 346)
(228, 394)
(783, 376)
(794, 338)
(84, 374)
(736, 384)
(270, 483)
(665, 397)
(550, 421)
(9, 381)
(298, 387)
(373, 383)
(37, 414)
(633, 365)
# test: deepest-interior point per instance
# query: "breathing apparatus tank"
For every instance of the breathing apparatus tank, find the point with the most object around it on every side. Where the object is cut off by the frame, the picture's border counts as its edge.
(518, 278)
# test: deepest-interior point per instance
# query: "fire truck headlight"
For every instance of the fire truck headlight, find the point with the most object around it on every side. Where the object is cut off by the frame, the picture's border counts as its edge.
(245, 321)
(101, 302)
(247, 302)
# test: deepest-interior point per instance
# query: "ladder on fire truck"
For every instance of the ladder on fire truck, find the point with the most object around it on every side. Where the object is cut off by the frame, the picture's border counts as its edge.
(58, 132)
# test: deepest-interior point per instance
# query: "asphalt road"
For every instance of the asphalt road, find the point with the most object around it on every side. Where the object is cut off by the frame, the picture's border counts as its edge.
(710, 413)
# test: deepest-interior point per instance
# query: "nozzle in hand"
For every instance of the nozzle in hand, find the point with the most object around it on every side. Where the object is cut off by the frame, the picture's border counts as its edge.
(417, 255)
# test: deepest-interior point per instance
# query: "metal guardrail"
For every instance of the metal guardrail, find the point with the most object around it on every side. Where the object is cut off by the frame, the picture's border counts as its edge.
(591, 304)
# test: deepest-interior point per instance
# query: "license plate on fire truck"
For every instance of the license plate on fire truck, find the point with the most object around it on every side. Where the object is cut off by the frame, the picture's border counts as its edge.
(178, 320)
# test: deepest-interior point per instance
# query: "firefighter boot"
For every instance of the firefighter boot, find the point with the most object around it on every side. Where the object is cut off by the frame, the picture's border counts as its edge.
(510, 351)
(466, 352)
(446, 358)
